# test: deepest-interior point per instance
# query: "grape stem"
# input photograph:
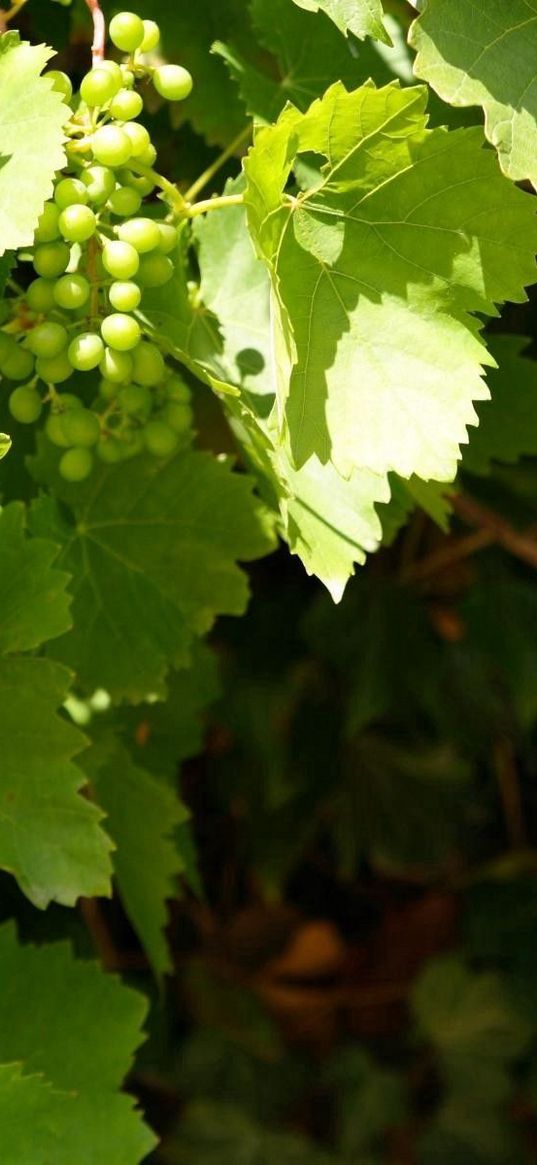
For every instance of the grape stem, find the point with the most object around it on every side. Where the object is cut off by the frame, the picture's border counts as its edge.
(99, 30)
(214, 204)
(241, 140)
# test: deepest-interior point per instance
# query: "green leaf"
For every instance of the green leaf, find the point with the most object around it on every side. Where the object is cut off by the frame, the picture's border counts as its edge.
(375, 273)
(507, 429)
(153, 550)
(489, 60)
(362, 17)
(32, 116)
(33, 601)
(369, 1101)
(74, 1110)
(142, 813)
(216, 1134)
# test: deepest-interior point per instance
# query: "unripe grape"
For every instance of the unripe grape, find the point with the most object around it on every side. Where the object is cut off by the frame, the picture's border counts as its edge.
(54, 427)
(132, 444)
(151, 36)
(70, 191)
(109, 450)
(54, 370)
(160, 439)
(138, 137)
(121, 260)
(85, 351)
(116, 367)
(77, 223)
(81, 427)
(124, 296)
(177, 390)
(25, 405)
(148, 365)
(98, 87)
(51, 259)
(125, 201)
(47, 339)
(135, 401)
(139, 182)
(113, 68)
(128, 76)
(40, 295)
(126, 105)
(155, 270)
(178, 415)
(148, 156)
(47, 227)
(111, 146)
(60, 83)
(168, 237)
(120, 331)
(141, 233)
(172, 82)
(107, 389)
(99, 182)
(76, 465)
(71, 292)
(126, 31)
(18, 364)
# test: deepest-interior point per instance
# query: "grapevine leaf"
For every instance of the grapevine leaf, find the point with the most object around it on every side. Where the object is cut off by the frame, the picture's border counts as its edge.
(369, 1100)
(215, 1134)
(32, 593)
(78, 1112)
(362, 17)
(506, 430)
(142, 813)
(489, 61)
(153, 552)
(375, 273)
(32, 116)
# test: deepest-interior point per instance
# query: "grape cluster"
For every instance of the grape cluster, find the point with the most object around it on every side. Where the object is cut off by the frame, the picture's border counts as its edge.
(94, 254)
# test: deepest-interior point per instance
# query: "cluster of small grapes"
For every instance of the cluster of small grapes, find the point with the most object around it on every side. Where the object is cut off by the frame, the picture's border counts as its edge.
(93, 256)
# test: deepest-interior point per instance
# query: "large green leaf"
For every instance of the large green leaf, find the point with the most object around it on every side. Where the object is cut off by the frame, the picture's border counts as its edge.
(33, 601)
(362, 17)
(32, 116)
(376, 271)
(486, 58)
(73, 1031)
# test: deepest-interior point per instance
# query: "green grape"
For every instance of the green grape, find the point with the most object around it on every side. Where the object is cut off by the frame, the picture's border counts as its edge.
(155, 270)
(109, 450)
(107, 389)
(113, 68)
(77, 224)
(85, 351)
(18, 364)
(141, 233)
(125, 201)
(51, 259)
(148, 365)
(132, 444)
(160, 439)
(25, 405)
(69, 192)
(126, 31)
(124, 296)
(177, 390)
(71, 292)
(121, 260)
(138, 137)
(178, 415)
(54, 429)
(54, 370)
(60, 83)
(126, 105)
(172, 82)
(135, 400)
(47, 227)
(168, 237)
(81, 427)
(47, 339)
(151, 36)
(128, 76)
(111, 146)
(116, 366)
(120, 331)
(40, 295)
(99, 182)
(76, 464)
(98, 87)
(143, 185)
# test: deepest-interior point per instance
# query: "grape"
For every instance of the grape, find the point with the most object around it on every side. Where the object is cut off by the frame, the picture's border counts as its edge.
(109, 450)
(178, 415)
(18, 364)
(177, 390)
(107, 389)
(47, 339)
(54, 370)
(151, 36)
(71, 292)
(160, 439)
(47, 227)
(148, 156)
(124, 296)
(77, 223)
(51, 259)
(116, 367)
(98, 87)
(121, 260)
(81, 427)
(148, 365)
(99, 182)
(40, 295)
(135, 401)
(126, 31)
(120, 331)
(60, 83)
(113, 68)
(111, 146)
(168, 237)
(138, 137)
(155, 270)
(132, 444)
(70, 191)
(76, 464)
(125, 201)
(25, 405)
(85, 351)
(126, 105)
(54, 428)
(140, 183)
(172, 82)
(141, 233)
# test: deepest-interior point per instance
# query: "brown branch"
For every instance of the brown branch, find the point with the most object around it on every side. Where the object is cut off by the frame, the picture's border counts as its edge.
(520, 545)
(99, 30)
(447, 556)
(509, 788)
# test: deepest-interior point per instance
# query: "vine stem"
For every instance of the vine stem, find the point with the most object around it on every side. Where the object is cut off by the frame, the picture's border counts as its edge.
(214, 204)
(99, 30)
(241, 140)
(5, 17)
